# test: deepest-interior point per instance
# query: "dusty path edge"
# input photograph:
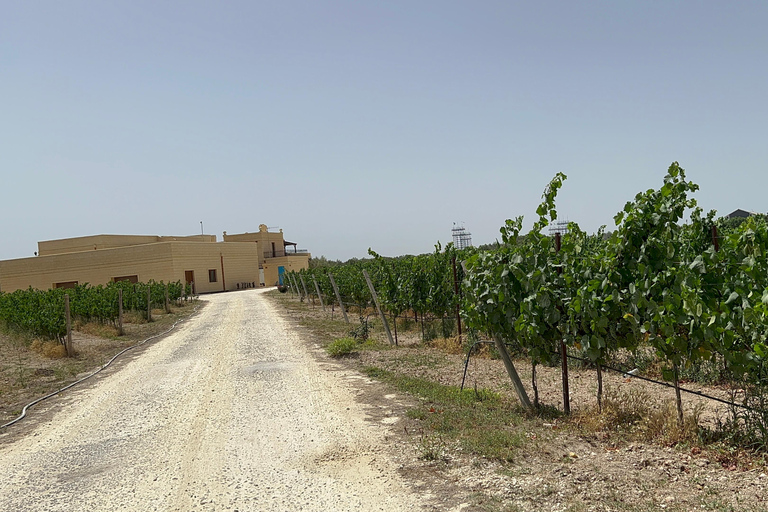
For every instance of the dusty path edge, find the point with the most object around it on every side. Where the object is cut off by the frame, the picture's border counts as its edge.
(382, 402)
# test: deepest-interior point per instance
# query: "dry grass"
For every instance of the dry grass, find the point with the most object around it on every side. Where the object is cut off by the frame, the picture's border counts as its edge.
(134, 317)
(97, 329)
(634, 415)
(448, 345)
(49, 349)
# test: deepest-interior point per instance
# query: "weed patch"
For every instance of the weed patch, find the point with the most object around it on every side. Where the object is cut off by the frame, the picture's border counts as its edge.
(342, 347)
(481, 421)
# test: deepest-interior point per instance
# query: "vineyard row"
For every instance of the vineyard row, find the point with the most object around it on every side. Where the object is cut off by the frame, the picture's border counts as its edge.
(693, 291)
(42, 313)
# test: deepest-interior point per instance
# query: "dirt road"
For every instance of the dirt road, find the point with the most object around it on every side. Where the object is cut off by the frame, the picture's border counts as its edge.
(230, 412)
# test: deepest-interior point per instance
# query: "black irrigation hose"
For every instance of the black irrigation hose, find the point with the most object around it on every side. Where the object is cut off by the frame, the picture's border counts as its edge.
(698, 393)
(690, 391)
(46, 397)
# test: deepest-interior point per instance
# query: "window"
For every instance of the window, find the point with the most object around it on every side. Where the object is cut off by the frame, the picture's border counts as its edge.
(212, 275)
(66, 284)
(130, 279)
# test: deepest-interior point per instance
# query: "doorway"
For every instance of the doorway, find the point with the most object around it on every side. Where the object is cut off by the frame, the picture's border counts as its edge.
(189, 277)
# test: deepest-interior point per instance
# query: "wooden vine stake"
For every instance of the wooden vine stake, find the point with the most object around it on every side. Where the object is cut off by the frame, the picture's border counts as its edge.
(302, 297)
(287, 278)
(522, 395)
(563, 353)
(378, 308)
(456, 290)
(678, 398)
(295, 284)
(599, 387)
(167, 301)
(149, 303)
(338, 297)
(306, 293)
(317, 289)
(120, 331)
(68, 343)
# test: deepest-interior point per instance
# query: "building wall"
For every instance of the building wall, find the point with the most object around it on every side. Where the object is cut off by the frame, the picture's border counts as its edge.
(97, 242)
(151, 261)
(101, 259)
(291, 262)
(240, 261)
(264, 240)
(163, 261)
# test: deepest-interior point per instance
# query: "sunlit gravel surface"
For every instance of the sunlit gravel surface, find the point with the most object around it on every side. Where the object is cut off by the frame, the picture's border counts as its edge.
(230, 412)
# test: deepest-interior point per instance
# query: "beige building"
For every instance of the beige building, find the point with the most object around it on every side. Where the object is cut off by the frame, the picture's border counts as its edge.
(242, 260)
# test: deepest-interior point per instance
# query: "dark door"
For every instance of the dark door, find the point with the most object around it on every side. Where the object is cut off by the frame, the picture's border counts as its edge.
(189, 277)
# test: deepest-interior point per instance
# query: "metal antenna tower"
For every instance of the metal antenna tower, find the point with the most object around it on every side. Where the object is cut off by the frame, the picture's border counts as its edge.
(461, 237)
(559, 226)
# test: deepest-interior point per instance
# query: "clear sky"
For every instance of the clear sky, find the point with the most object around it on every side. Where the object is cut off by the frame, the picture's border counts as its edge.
(356, 124)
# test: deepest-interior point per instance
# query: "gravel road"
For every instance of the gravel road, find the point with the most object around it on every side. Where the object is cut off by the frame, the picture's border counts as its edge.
(230, 412)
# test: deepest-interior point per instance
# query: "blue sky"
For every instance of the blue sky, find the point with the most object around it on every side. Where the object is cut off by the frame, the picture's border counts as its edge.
(369, 124)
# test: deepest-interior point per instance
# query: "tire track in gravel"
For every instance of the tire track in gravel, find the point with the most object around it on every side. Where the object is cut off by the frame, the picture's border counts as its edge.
(231, 412)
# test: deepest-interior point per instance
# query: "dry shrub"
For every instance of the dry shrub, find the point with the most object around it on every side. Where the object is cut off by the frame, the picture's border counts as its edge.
(632, 412)
(36, 346)
(369, 311)
(98, 329)
(448, 345)
(484, 351)
(622, 411)
(661, 425)
(49, 349)
(406, 323)
(134, 317)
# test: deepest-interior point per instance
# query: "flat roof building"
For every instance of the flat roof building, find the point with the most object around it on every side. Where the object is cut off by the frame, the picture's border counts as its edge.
(241, 260)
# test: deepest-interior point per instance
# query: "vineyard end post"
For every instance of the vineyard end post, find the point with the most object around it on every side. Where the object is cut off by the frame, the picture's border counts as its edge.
(68, 343)
(378, 307)
(120, 331)
(522, 395)
(317, 289)
(563, 350)
(456, 289)
(338, 297)
(149, 303)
